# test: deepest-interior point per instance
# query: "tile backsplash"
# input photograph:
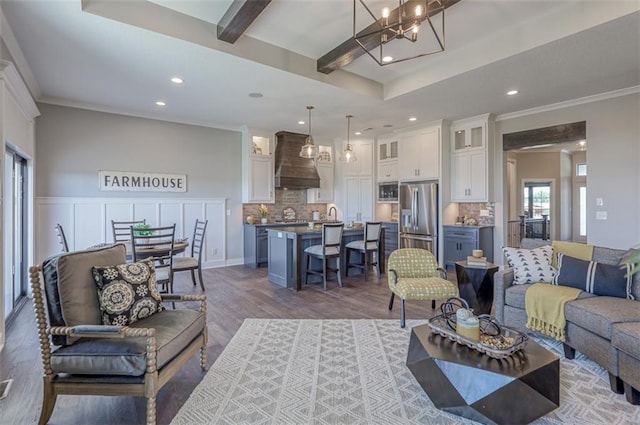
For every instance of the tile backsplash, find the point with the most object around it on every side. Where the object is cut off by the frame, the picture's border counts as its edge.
(473, 209)
(296, 199)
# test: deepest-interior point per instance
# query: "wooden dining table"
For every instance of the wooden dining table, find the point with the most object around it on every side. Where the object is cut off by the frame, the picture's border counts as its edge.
(160, 250)
(179, 246)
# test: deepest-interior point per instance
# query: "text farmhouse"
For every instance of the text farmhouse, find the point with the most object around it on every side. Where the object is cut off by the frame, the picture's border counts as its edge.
(142, 182)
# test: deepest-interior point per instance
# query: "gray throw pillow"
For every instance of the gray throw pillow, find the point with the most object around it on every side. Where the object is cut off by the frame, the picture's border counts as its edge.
(597, 278)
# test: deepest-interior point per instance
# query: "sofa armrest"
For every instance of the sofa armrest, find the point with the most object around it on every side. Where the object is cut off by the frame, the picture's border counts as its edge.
(502, 280)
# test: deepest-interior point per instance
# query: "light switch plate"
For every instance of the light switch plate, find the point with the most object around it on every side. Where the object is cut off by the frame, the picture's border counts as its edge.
(601, 215)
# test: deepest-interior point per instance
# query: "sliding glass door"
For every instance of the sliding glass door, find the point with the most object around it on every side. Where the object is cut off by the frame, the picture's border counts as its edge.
(15, 274)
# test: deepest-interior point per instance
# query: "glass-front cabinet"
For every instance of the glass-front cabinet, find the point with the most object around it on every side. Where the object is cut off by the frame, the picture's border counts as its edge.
(468, 137)
(258, 168)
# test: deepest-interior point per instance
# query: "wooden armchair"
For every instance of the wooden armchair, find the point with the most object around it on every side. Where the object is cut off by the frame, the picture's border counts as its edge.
(81, 356)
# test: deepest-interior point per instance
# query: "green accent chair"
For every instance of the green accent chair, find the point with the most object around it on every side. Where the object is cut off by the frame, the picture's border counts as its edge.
(414, 274)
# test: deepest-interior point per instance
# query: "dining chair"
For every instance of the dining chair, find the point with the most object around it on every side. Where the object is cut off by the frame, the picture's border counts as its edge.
(61, 237)
(330, 249)
(122, 229)
(414, 274)
(156, 243)
(366, 248)
(194, 262)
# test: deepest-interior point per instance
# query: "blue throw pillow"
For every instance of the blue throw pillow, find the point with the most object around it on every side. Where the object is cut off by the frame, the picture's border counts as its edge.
(596, 278)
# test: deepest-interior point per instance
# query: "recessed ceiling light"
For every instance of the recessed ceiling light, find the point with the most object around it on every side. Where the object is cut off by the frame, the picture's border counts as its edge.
(301, 122)
(413, 119)
(177, 80)
(512, 92)
(387, 126)
(256, 95)
(161, 103)
(387, 59)
(357, 133)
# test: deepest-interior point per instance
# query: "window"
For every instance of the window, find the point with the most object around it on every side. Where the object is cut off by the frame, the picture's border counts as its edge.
(537, 199)
(583, 211)
(581, 170)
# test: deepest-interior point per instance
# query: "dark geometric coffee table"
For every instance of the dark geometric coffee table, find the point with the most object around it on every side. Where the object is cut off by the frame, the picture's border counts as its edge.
(465, 382)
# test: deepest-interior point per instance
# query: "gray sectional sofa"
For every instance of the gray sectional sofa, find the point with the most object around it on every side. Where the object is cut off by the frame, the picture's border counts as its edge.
(605, 329)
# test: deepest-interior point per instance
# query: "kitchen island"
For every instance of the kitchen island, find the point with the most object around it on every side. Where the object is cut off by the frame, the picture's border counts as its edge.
(286, 253)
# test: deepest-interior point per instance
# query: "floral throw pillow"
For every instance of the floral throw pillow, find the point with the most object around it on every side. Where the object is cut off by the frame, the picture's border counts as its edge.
(530, 265)
(127, 292)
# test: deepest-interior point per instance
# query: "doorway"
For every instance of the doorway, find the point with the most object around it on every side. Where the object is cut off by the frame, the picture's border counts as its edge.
(533, 158)
(15, 243)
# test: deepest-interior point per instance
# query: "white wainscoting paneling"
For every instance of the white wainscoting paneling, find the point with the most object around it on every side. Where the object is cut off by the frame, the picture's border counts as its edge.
(87, 222)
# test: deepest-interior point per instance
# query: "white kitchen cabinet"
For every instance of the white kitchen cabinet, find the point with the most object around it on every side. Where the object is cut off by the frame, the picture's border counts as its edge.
(258, 168)
(388, 171)
(419, 157)
(323, 194)
(469, 176)
(364, 163)
(471, 171)
(358, 199)
(387, 159)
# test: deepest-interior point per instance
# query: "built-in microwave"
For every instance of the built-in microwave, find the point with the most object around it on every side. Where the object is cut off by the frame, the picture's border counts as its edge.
(388, 192)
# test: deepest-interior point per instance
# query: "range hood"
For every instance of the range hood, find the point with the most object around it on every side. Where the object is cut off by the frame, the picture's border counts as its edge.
(292, 171)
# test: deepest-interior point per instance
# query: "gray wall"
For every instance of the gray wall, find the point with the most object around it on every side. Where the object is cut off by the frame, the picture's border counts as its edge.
(72, 145)
(613, 164)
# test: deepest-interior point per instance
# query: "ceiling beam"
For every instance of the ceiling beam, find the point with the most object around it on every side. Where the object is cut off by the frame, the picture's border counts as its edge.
(349, 50)
(238, 17)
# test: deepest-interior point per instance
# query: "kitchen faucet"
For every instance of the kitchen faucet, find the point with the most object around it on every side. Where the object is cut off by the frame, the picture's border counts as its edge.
(334, 211)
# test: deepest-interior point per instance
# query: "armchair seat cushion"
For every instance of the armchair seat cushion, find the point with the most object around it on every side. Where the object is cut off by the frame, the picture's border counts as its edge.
(424, 288)
(175, 329)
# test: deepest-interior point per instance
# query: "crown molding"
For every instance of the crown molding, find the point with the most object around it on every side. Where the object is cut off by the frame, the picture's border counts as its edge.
(13, 82)
(569, 103)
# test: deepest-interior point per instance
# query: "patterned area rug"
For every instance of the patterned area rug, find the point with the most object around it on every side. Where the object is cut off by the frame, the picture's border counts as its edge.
(353, 372)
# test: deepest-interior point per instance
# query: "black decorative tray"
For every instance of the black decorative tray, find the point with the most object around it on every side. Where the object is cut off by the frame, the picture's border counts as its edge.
(496, 340)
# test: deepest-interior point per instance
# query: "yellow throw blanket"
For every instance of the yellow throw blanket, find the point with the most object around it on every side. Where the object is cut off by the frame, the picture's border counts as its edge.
(545, 308)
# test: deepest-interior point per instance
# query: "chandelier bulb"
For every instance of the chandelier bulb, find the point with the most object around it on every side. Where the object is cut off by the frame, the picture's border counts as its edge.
(418, 10)
(385, 12)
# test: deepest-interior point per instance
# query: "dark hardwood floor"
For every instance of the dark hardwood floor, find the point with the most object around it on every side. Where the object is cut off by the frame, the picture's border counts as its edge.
(233, 294)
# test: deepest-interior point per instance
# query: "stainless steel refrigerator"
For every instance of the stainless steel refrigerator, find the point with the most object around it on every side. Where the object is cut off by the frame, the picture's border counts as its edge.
(418, 227)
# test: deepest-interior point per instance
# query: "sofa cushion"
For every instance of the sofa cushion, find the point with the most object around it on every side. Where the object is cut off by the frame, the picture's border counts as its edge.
(127, 292)
(591, 276)
(71, 293)
(574, 249)
(626, 337)
(174, 330)
(530, 265)
(598, 314)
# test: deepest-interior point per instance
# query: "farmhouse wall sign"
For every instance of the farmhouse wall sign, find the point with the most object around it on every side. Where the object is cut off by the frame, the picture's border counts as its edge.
(142, 182)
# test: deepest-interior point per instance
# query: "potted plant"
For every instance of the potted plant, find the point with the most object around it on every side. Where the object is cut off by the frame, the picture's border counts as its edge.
(264, 211)
(142, 230)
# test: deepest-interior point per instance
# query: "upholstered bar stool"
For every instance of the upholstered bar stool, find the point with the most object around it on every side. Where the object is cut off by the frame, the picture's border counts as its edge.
(366, 248)
(329, 250)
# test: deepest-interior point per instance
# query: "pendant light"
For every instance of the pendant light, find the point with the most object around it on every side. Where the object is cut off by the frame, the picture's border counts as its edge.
(309, 149)
(348, 154)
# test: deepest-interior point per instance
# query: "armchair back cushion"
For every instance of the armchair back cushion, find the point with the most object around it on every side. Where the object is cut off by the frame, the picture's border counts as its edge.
(70, 290)
(412, 263)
